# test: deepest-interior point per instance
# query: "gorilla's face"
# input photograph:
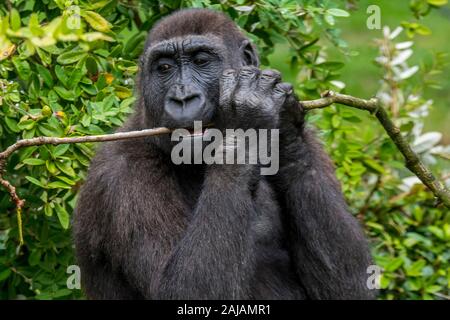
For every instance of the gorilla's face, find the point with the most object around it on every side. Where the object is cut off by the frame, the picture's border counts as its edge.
(181, 77)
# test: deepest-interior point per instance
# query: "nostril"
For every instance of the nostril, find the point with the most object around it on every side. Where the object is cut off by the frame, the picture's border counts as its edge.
(184, 101)
(191, 98)
(176, 101)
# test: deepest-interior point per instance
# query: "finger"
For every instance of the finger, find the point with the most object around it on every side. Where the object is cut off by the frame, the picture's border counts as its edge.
(281, 91)
(268, 79)
(247, 77)
(228, 82)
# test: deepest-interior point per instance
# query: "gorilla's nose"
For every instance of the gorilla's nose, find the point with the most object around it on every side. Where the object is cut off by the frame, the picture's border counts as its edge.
(184, 104)
(186, 101)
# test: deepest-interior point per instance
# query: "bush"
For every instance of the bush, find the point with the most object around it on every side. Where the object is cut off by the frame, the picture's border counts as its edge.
(67, 69)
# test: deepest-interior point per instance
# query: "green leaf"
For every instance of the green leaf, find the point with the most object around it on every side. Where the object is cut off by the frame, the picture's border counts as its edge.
(22, 67)
(126, 104)
(244, 8)
(97, 4)
(26, 124)
(48, 210)
(123, 92)
(419, 238)
(133, 42)
(413, 284)
(71, 57)
(15, 19)
(415, 269)
(96, 21)
(35, 181)
(61, 75)
(335, 121)
(28, 134)
(384, 281)
(438, 232)
(446, 229)
(66, 168)
(66, 180)
(34, 257)
(353, 119)
(329, 19)
(45, 75)
(34, 162)
(60, 150)
(34, 25)
(433, 289)
(92, 65)
(12, 125)
(63, 216)
(338, 12)
(89, 89)
(44, 296)
(50, 131)
(393, 264)
(62, 293)
(356, 169)
(5, 274)
(331, 65)
(95, 36)
(423, 30)
(58, 185)
(14, 97)
(27, 49)
(27, 152)
(75, 77)
(86, 120)
(85, 150)
(46, 58)
(64, 93)
(437, 3)
(374, 165)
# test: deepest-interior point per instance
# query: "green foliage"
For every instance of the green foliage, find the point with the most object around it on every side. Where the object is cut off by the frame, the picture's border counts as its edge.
(67, 68)
(421, 8)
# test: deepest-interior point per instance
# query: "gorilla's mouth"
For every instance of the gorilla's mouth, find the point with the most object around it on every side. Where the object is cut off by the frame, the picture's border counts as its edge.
(194, 133)
(198, 131)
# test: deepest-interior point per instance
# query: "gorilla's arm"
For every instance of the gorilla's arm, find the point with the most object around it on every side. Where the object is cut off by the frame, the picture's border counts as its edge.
(95, 247)
(214, 258)
(327, 243)
(140, 224)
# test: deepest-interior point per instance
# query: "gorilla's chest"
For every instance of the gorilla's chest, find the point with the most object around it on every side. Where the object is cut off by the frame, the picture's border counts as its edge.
(266, 224)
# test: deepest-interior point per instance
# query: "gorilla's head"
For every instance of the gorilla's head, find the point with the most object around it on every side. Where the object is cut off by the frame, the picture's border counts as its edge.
(184, 57)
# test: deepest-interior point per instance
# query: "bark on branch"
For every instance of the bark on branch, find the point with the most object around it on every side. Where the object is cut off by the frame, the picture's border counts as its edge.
(412, 160)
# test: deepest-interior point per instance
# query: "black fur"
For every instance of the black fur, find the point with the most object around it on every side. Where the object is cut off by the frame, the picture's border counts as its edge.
(146, 228)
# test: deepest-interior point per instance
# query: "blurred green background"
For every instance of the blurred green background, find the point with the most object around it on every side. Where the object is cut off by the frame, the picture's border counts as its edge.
(360, 73)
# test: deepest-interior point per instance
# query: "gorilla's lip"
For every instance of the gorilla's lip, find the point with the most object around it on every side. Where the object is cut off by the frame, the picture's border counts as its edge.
(197, 133)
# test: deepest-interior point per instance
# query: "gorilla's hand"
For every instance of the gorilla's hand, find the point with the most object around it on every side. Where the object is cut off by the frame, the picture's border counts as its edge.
(250, 98)
(291, 119)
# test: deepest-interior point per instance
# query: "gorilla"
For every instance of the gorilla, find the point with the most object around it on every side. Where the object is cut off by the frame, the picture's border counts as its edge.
(145, 228)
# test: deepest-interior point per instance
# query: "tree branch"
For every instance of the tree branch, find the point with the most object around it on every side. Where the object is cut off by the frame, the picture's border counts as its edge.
(100, 138)
(55, 141)
(9, 5)
(412, 160)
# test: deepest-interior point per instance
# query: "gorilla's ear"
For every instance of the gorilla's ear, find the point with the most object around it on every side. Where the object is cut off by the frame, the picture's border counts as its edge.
(142, 59)
(248, 54)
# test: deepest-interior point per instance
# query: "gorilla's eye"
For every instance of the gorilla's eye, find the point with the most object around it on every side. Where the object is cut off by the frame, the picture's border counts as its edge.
(200, 61)
(165, 67)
